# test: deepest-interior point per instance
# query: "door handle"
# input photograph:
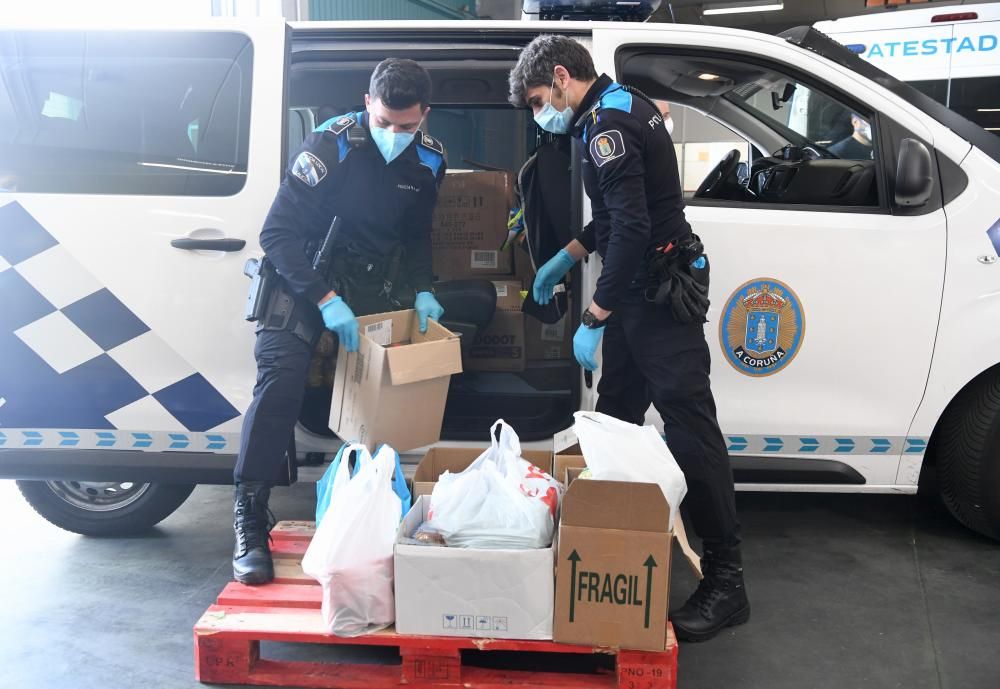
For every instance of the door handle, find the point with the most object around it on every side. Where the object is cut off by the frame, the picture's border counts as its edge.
(224, 244)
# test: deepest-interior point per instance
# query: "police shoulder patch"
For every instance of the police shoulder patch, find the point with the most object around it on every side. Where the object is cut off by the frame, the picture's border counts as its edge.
(339, 125)
(429, 142)
(606, 146)
(309, 168)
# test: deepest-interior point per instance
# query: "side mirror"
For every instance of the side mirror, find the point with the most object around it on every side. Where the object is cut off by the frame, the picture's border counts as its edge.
(914, 181)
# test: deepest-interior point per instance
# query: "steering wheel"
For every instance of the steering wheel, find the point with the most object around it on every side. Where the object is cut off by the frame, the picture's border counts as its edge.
(720, 173)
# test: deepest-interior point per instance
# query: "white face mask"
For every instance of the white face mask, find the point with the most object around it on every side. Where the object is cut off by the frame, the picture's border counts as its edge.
(865, 130)
(669, 124)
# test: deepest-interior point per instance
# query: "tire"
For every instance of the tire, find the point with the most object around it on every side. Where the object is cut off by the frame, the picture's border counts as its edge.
(104, 509)
(967, 452)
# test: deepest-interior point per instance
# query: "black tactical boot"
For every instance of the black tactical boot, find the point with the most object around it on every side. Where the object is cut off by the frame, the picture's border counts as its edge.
(252, 524)
(720, 600)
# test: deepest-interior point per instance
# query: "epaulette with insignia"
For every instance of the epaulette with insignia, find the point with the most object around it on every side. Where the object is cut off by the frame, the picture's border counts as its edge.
(428, 141)
(339, 125)
(430, 151)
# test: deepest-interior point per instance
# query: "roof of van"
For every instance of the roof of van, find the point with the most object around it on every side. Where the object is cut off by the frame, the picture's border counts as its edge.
(906, 19)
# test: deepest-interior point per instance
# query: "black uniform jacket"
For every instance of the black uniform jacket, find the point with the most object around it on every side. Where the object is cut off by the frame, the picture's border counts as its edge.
(630, 174)
(380, 205)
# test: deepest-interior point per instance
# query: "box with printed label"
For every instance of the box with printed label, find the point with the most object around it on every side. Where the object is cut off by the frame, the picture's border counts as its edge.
(548, 341)
(457, 459)
(470, 225)
(613, 565)
(500, 347)
(508, 295)
(496, 594)
(393, 388)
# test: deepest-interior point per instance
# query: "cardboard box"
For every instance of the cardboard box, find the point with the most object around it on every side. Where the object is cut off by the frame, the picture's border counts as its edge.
(497, 594)
(456, 459)
(567, 455)
(548, 342)
(470, 225)
(500, 347)
(508, 295)
(563, 464)
(613, 566)
(394, 394)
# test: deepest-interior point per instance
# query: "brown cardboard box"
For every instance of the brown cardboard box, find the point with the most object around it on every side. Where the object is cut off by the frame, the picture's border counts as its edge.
(547, 342)
(563, 463)
(613, 566)
(500, 347)
(508, 295)
(470, 225)
(455, 459)
(393, 389)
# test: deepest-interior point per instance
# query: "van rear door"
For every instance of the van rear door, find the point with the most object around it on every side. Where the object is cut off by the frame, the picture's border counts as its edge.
(136, 167)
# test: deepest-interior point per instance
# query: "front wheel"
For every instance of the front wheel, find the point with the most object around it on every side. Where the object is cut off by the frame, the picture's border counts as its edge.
(104, 508)
(968, 457)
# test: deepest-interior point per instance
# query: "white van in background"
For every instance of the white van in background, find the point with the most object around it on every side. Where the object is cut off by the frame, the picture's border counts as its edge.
(952, 53)
(137, 165)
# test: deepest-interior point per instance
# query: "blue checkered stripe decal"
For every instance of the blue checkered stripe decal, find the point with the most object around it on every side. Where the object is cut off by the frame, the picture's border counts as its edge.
(825, 445)
(221, 443)
(74, 356)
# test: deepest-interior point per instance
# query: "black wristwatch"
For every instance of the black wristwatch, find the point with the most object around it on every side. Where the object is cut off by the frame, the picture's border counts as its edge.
(591, 321)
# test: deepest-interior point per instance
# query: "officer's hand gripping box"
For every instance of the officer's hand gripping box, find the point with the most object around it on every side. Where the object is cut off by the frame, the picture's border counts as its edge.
(393, 389)
(496, 594)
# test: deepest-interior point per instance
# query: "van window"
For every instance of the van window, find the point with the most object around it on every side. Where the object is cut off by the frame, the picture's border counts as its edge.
(700, 142)
(812, 147)
(977, 99)
(113, 113)
(816, 117)
(499, 136)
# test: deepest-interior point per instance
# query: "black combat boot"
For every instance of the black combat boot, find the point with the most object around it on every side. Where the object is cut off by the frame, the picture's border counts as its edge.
(720, 600)
(252, 524)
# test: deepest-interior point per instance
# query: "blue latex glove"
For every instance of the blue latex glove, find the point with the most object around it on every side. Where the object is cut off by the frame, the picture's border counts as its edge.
(427, 307)
(549, 276)
(585, 344)
(338, 317)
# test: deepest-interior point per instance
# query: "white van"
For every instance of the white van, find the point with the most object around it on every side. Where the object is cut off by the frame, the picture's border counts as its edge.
(138, 166)
(952, 53)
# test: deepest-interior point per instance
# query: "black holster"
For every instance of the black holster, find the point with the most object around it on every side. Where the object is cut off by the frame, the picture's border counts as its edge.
(678, 275)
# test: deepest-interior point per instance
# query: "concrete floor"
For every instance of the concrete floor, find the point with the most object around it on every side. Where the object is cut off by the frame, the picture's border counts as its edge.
(848, 592)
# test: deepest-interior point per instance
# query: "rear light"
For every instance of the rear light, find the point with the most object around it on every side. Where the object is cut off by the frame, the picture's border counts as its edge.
(957, 17)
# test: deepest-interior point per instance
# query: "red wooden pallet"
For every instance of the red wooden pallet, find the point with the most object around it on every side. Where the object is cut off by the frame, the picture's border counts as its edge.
(227, 643)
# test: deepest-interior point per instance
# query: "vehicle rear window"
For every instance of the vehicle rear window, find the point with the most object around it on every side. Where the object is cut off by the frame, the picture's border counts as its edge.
(164, 113)
(977, 99)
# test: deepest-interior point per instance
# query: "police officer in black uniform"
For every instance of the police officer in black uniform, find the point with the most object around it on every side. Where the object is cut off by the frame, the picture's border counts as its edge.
(650, 302)
(379, 175)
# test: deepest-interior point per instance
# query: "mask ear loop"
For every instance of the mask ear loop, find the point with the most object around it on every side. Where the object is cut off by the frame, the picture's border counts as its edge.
(552, 88)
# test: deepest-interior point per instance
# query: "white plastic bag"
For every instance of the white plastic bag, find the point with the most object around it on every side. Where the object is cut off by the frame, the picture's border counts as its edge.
(616, 450)
(500, 501)
(351, 552)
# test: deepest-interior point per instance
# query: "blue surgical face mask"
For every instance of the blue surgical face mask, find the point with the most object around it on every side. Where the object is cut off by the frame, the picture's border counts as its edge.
(552, 120)
(390, 144)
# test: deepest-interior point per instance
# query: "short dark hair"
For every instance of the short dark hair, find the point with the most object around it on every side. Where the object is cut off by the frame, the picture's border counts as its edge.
(537, 63)
(400, 84)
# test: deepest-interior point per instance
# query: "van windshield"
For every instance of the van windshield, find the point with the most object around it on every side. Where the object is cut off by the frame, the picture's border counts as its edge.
(811, 39)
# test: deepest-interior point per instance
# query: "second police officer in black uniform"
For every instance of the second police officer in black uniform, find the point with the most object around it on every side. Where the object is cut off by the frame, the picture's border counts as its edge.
(650, 302)
(379, 175)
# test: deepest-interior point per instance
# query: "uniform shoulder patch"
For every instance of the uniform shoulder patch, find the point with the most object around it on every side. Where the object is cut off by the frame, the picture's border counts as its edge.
(338, 125)
(606, 146)
(429, 142)
(309, 168)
